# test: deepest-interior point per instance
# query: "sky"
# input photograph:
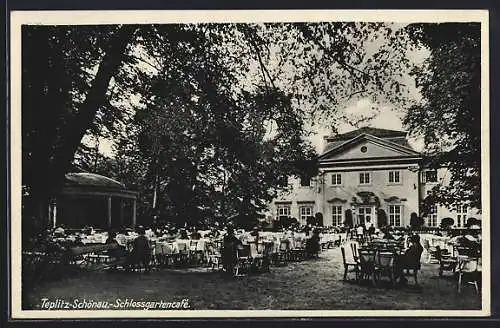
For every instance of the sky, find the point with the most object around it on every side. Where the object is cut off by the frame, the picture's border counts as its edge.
(387, 118)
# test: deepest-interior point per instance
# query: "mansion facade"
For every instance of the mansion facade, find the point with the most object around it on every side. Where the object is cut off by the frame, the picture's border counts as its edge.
(367, 175)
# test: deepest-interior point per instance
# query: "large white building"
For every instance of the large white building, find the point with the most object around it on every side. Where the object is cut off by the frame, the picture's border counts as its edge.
(368, 174)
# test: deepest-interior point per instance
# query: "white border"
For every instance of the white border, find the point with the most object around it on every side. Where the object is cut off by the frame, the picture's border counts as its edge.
(19, 18)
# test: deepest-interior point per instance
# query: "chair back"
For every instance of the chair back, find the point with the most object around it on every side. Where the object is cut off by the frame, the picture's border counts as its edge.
(426, 244)
(367, 255)
(182, 247)
(468, 264)
(354, 248)
(344, 260)
(386, 259)
(243, 252)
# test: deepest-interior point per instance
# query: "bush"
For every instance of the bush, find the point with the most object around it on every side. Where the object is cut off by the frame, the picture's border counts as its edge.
(416, 221)
(318, 217)
(382, 218)
(348, 219)
(447, 223)
(472, 221)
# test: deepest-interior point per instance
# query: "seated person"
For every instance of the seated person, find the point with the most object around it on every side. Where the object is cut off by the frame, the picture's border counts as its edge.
(214, 233)
(387, 235)
(118, 252)
(182, 234)
(313, 244)
(254, 234)
(411, 258)
(195, 235)
(141, 251)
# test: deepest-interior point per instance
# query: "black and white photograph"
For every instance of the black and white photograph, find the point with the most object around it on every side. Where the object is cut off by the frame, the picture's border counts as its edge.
(306, 163)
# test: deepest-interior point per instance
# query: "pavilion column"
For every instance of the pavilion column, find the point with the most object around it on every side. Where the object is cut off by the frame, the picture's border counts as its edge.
(121, 212)
(134, 212)
(109, 210)
(53, 213)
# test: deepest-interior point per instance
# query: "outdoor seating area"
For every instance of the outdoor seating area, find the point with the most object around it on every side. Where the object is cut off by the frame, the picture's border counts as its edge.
(394, 260)
(368, 272)
(145, 250)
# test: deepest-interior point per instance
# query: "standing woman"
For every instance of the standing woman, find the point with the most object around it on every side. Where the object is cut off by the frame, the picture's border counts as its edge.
(229, 250)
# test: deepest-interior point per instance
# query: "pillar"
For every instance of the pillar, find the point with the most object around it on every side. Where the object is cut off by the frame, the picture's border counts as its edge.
(53, 213)
(134, 212)
(121, 212)
(109, 210)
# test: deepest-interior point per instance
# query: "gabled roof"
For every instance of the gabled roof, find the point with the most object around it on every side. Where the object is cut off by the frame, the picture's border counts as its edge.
(376, 132)
(340, 145)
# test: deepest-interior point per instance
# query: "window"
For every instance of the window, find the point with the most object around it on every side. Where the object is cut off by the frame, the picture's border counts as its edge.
(432, 218)
(283, 210)
(394, 177)
(364, 178)
(395, 215)
(364, 215)
(336, 179)
(337, 219)
(430, 176)
(462, 212)
(305, 181)
(305, 212)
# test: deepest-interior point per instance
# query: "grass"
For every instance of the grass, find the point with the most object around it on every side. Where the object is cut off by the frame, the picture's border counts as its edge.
(312, 285)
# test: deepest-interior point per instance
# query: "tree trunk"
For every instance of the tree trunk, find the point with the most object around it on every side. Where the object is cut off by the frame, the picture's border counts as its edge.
(77, 128)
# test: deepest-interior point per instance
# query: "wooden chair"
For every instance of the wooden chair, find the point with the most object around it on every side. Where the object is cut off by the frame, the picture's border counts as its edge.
(446, 261)
(354, 248)
(256, 258)
(349, 266)
(283, 255)
(243, 261)
(468, 271)
(182, 258)
(385, 266)
(214, 256)
(367, 258)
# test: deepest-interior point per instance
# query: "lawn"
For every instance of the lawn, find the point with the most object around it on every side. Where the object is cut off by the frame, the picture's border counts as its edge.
(312, 285)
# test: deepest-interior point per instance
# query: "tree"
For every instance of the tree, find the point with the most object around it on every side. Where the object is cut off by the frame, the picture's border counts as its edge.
(61, 99)
(449, 115)
(472, 221)
(246, 87)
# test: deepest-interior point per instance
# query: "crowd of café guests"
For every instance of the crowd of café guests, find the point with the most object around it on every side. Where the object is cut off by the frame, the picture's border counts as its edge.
(230, 238)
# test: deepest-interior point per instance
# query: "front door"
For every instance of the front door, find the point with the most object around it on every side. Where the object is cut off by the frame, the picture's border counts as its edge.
(365, 214)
